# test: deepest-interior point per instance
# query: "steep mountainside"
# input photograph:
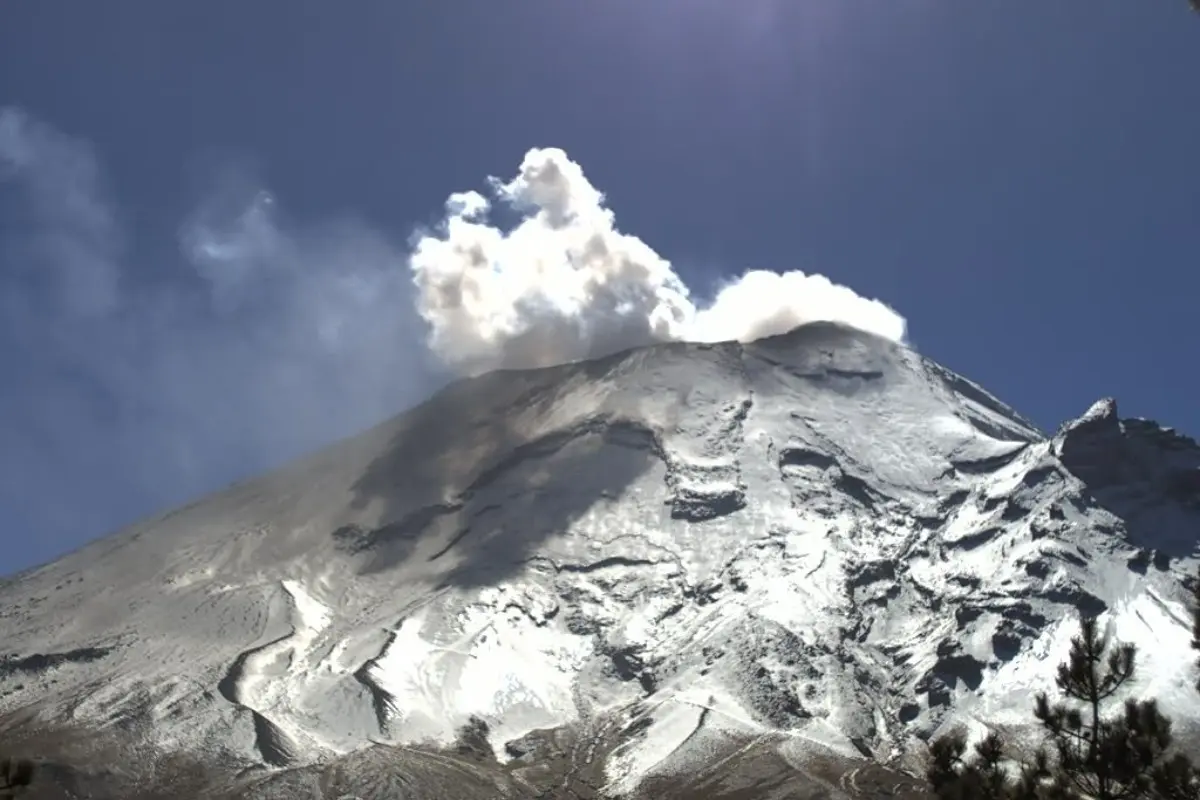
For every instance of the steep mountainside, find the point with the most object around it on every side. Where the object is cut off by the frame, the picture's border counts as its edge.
(766, 569)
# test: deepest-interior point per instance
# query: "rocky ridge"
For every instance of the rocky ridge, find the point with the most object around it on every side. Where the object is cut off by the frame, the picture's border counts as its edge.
(799, 558)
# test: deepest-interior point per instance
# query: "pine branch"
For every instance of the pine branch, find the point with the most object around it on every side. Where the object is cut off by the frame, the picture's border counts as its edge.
(15, 774)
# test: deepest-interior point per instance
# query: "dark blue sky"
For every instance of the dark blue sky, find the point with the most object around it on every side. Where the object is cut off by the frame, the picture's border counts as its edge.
(1021, 181)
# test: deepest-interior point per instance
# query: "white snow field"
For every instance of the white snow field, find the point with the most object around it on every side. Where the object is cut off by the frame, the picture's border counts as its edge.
(819, 542)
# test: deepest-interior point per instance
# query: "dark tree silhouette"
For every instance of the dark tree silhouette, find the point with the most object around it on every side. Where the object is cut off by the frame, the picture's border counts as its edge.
(953, 776)
(1196, 606)
(1104, 759)
(1093, 752)
(1178, 779)
(15, 775)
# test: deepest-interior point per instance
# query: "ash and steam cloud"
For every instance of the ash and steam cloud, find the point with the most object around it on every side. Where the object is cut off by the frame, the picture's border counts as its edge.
(138, 376)
(565, 284)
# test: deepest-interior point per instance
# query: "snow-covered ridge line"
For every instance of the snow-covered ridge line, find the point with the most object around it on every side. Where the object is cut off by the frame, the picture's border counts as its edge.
(823, 536)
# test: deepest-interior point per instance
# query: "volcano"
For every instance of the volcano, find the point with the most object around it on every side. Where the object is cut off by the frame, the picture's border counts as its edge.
(765, 570)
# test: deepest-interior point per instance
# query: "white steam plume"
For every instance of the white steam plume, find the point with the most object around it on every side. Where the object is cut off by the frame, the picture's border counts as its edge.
(564, 284)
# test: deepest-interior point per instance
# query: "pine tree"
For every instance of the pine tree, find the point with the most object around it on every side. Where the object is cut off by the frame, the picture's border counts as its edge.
(15, 775)
(954, 777)
(1178, 779)
(1196, 618)
(1095, 753)
(1098, 757)
(982, 776)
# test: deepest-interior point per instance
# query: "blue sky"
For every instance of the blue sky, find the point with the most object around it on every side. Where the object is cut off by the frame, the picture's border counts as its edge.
(205, 209)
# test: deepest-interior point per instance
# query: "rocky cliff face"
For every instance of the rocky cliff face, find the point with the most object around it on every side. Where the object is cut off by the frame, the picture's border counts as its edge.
(739, 568)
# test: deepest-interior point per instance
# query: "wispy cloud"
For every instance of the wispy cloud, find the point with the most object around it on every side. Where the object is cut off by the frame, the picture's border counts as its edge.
(260, 340)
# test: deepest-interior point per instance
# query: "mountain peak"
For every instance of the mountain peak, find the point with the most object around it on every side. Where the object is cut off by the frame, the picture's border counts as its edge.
(817, 543)
(1103, 409)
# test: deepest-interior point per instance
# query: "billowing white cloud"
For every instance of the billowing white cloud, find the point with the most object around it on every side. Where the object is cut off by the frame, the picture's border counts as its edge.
(565, 284)
(762, 303)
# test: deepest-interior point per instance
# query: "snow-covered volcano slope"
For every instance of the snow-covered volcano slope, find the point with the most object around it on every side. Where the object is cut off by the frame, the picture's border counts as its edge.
(821, 536)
